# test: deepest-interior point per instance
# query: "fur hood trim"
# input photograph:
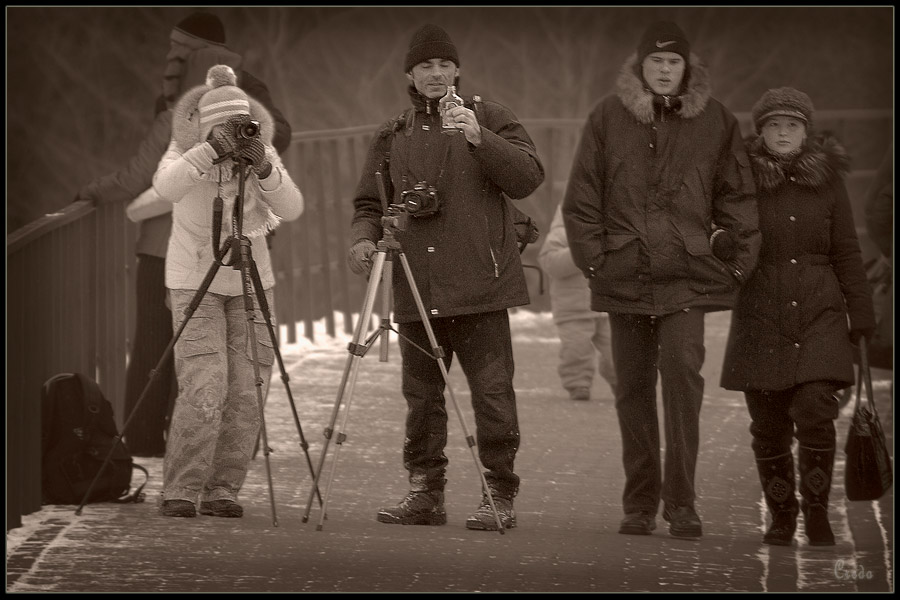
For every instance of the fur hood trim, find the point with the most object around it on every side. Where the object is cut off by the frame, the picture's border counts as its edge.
(186, 119)
(821, 161)
(259, 219)
(639, 100)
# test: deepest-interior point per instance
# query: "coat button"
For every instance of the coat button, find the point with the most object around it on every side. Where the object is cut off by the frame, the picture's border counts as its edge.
(796, 344)
(793, 261)
(434, 311)
(430, 248)
(793, 218)
(794, 303)
(651, 145)
(793, 178)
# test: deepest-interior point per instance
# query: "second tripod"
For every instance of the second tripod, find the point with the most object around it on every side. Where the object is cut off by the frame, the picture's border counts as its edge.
(388, 248)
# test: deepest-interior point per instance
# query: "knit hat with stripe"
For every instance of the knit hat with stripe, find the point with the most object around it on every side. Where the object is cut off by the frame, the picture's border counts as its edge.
(223, 101)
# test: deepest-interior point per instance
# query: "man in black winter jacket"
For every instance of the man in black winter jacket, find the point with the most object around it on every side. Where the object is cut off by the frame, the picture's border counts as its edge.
(661, 217)
(466, 266)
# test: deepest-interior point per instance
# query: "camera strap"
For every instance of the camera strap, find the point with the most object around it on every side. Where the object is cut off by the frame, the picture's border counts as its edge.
(410, 117)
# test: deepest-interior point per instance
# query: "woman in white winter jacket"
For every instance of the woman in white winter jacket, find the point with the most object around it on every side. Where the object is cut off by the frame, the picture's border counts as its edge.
(217, 413)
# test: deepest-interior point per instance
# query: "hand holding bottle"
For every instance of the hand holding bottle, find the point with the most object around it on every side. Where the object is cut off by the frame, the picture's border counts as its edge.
(455, 117)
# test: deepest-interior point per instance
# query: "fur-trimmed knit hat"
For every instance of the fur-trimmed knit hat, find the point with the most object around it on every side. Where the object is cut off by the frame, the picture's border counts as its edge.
(223, 101)
(783, 101)
(200, 25)
(430, 41)
(664, 36)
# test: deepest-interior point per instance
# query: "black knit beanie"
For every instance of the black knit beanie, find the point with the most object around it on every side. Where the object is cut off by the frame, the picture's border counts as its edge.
(430, 41)
(664, 36)
(202, 25)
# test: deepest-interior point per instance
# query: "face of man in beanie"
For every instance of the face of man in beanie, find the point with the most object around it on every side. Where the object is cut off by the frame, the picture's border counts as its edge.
(783, 135)
(663, 72)
(431, 77)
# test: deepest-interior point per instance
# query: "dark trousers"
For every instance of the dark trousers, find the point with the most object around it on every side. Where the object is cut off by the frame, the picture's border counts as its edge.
(152, 333)
(673, 345)
(811, 408)
(483, 345)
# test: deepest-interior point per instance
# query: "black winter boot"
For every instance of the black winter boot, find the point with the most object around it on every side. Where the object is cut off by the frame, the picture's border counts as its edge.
(483, 517)
(418, 508)
(815, 484)
(776, 475)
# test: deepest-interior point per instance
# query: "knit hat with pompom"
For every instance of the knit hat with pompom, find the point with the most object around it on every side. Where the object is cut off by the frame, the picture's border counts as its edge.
(223, 101)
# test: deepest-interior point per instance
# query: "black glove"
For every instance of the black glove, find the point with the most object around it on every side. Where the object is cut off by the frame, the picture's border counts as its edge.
(223, 140)
(254, 152)
(360, 257)
(857, 334)
(724, 245)
(526, 233)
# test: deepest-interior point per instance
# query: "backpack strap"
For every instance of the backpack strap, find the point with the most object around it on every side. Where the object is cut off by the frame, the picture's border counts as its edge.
(92, 401)
(137, 495)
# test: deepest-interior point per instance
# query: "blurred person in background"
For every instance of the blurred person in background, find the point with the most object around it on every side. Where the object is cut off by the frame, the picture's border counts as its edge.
(584, 342)
(789, 347)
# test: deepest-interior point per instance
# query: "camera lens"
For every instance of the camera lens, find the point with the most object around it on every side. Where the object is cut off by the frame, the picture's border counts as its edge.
(249, 130)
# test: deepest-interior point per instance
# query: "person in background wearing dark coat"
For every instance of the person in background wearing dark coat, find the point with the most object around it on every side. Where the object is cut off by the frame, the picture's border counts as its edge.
(466, 265)
(880, 227)
(660, 215)
(789, 348)
(196, 43)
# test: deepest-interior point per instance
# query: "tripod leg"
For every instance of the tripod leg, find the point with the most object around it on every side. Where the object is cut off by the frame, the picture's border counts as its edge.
(438, 353)
(254, 352)
(188, 313)
(348, 380)
(267, 316)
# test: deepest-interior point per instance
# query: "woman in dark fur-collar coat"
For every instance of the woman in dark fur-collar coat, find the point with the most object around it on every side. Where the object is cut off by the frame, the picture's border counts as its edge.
(789, 348)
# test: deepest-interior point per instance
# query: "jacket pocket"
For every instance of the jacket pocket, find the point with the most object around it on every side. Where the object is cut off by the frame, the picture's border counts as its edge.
(708, 273)
(620, 256)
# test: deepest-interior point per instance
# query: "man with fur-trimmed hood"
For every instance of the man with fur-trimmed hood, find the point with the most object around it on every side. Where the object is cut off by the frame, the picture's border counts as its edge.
(661, 217)
(216, 419)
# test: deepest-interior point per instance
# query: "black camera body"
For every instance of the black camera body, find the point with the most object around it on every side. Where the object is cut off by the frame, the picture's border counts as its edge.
(421, 201)
(245, 129)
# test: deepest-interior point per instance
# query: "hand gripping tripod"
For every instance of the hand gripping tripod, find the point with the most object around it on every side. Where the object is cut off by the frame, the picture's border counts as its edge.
(396, 219)
(241, 260)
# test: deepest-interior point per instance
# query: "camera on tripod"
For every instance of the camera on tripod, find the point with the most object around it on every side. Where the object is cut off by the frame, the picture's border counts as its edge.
(245, 129)
(421, 201)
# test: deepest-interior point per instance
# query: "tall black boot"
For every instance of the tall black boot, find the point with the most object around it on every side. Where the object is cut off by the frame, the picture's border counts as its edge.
(776, 475)
(815, 484)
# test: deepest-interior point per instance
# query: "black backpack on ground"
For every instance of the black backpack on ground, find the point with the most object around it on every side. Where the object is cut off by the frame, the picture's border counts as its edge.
(77, 432)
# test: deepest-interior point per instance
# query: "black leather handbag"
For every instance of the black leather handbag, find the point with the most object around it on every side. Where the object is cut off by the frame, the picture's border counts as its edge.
(869, 472)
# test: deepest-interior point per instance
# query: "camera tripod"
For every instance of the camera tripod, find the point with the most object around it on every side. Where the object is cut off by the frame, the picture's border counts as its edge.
(242, 260)
(388, 248)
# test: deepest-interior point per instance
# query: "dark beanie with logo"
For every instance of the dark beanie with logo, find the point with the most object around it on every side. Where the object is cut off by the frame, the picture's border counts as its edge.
(430, 41)
(664, 36)
(206, 26)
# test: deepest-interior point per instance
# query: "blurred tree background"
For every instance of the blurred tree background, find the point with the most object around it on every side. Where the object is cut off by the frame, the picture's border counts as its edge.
(81, 82)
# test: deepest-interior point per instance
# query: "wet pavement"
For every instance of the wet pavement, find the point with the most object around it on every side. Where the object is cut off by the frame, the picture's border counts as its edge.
(568, 508)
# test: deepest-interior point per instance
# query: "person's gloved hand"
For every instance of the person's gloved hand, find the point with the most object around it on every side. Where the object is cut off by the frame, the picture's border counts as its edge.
(856, 334)
(254, 152)
(360, 257)
(724, 244)
(223, 140)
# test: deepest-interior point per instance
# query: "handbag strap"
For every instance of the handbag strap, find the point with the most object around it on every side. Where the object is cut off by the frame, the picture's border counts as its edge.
(864, 377)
